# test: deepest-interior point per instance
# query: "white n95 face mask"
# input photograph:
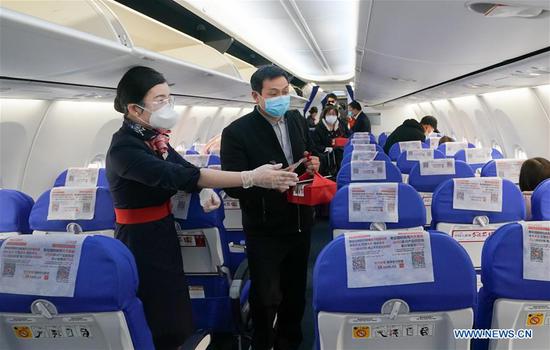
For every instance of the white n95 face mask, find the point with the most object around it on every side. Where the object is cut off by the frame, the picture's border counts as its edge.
(164, 118)
(331, 119)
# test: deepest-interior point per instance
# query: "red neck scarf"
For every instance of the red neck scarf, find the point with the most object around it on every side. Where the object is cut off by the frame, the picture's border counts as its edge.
(160, 142)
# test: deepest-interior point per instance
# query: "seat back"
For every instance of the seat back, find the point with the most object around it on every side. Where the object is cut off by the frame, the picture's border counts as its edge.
(87, 302)
(413, 308)
(516, 285)
(82, 177)
(365, 155)
(349, 148)
(398, 147)
(427, 175)
(449, 149)
(376, 206)
(15, 207)
(471, 209)
(74, 210)
(477, 157)
(504, 168)
(410, 158)
(540, 201)
(382, 138)
(362, 136)
(433, 141)
(368, 171)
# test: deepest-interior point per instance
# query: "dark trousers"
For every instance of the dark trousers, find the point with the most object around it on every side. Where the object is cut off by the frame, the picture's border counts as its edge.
(278, 273)
(162, 286)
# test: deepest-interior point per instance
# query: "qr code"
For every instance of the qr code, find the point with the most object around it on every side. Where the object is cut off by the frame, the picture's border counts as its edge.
(8, 270)
(86, 207)
(460, 195)
(391, 207)
(537, 254)
(359, 263)
(355, 170)
(356, 207)
(418, 260)
(425, 165)
(55, 207)
(494, 197)
(62, 275)
(181, 205)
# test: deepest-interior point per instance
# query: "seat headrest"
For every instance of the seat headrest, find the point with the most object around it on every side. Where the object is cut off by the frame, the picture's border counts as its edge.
(344, 175)
(197, 218)
(348, 149)
(502, 266)
(101, 179)
(371, 137)
(454, 285)
(104, 215)
(380, 155)
(382, 138)
(410, 209)
(405, 164)
(493, 152)
(15, 207)
(428, 183)
(540, 201)
(104, 262)
(453, 148)
(395, 149)
(191, 151)
(513, 205)
(505, 168)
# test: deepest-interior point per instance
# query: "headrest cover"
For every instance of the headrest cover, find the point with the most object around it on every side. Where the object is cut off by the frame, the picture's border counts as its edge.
(104, 215)
(540, 201)
(407, 160)
(345, 174)
(454, 285)
(513, 206)
(410, 209)
(428, 183)
(61, 180)
(15, 208)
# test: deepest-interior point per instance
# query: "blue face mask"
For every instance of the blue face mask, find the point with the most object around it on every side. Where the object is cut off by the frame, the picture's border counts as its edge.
(277, 106)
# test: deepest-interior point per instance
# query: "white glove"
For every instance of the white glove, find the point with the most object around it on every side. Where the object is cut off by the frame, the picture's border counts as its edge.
(269, 176)
(209, 200)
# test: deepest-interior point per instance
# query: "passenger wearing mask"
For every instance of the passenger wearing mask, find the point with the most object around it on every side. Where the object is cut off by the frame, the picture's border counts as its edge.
(312, 118)
(144, 172)
(329, 128)
(277, 232)
(411, 130)
(357, 120)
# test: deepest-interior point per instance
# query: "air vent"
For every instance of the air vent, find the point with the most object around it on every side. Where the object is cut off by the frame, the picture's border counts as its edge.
(489, 9)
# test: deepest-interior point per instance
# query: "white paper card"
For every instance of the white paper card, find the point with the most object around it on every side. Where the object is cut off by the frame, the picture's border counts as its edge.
(365, 147)
(361, 135)
(437, 167)
(40, 265)
(373, 202)
(82, 177)
(408, 145)
(434, 142)
(452, 147)
(363, 155)
(484, 193)
(478, 155)
(180, 204)
(420, 154)
(388, 258)
(196, 292)
(536, 250)
(509, 169)
(360, 141)
(72, 203)
(198, 160)
(368, 170)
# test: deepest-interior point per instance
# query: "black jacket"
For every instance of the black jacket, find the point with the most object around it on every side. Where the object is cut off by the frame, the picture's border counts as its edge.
(362, 123)
(250, 142)
(410, 130)
(322, 138)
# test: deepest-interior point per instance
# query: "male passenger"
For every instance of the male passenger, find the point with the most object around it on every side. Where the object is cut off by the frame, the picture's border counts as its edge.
(331, 99)
(358, 121)
(411, 130)
(277, 232)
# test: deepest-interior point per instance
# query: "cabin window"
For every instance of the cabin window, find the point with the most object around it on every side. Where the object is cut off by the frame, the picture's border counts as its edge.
(519, 153)
(478, 143)
(496, 146)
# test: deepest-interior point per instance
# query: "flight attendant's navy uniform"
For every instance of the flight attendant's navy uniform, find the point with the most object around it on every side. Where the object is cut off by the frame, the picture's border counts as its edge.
(141, 183)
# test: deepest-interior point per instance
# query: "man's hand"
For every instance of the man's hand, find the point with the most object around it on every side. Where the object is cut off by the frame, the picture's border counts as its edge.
(312, 163)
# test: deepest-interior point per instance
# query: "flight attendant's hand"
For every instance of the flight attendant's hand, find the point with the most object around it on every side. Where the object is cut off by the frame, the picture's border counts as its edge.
(312, 163)
(209, 200)
(269, 176)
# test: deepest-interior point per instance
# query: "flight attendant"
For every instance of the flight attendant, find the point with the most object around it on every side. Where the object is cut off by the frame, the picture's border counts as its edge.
(144, 172)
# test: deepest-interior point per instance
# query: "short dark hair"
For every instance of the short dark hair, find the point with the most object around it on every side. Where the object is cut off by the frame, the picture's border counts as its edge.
(331, 95)
(444, 139)
(533, 171)
(355, 105)
(134, 85)
(263, 73)
(313, 110)
(429, 120)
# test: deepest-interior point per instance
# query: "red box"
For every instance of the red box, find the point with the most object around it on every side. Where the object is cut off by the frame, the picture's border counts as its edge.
(312, 191)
